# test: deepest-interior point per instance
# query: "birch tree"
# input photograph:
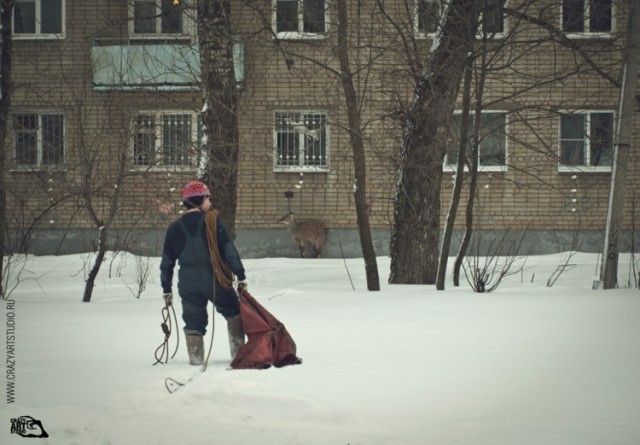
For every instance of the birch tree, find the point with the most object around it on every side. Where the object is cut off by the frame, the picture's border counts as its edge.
(219, 167)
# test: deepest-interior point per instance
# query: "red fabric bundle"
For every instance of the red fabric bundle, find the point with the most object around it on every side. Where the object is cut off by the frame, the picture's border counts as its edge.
(269, 342)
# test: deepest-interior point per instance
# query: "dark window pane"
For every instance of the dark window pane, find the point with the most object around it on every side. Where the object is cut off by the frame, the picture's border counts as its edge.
(315, 149)
(601, 139)
(287, 147)
(493, 139)
(25, 122)
(26, 149)
(176, 139)
(600, 15)
(286, 15)
(143, 148)
(428, 16)
(315, 153)
(144, 18)
(25, 129)
(145, 141)
(24, 14)
(573, 15)
(492, 17)
(287, 139)
(52, 139)
(454, 147)
(51, 13)
(314, 16)
(492, 149)
(572, 152)
(452, 153)
(171, 17)
(572, 139)
(572, 126)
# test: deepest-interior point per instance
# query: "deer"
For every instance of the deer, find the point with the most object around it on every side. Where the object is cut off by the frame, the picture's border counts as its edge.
(311, 231)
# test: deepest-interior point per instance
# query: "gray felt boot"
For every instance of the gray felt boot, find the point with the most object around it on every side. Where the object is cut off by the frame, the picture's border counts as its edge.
(195, 347)
(236, 334)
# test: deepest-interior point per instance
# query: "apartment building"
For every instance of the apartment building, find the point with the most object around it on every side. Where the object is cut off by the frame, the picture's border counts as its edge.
(106, 101)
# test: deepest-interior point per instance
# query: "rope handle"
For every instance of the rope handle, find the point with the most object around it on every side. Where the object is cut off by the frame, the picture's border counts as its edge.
(162, 351)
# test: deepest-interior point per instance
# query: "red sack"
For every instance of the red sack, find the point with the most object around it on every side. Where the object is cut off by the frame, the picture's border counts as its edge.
(269, 342)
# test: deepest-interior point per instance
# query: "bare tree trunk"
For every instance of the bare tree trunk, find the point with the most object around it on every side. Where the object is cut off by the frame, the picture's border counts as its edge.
(219, 115)
(473, 190)
(457, 186)
(415, 235)
(93, 273)
(473, 172)
(623, 138)
(5, 106)
(357, 145)
(89, 166)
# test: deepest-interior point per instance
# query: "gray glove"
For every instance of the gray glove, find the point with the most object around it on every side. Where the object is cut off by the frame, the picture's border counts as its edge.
(243, 284)
(168, 298)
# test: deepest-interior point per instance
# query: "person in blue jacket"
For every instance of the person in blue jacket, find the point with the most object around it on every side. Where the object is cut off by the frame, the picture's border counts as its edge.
(186, 243)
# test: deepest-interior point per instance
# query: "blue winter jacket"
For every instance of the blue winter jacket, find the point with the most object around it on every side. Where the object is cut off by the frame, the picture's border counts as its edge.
(175, 241)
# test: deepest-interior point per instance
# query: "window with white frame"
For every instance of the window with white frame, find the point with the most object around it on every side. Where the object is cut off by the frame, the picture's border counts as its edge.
(38, 139)
(43, 19)
(428, 16)
(300, 18)
(154, 17)
(587, 16)
(492, 17)
(165, 139)
(429, 12)
(492, 151)
(301, 140)
(586, 140)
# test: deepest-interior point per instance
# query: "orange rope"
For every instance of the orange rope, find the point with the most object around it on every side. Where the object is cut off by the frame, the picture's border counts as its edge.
(220, 268)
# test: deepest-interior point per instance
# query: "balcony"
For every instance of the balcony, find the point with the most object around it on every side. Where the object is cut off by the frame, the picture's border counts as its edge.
(131, 66)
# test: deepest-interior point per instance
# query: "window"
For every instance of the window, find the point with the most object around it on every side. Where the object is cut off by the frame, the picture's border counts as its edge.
(301, 141)
(428, 13)
(165, 139)
(493, 140)
(39, 19)
(428, 16)
(586, 140)
(38, 139)
(152, 17)
(587, 16)
(300, 18)
(492, 19)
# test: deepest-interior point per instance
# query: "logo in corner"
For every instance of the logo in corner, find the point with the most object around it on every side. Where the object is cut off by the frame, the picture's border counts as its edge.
(27, 426)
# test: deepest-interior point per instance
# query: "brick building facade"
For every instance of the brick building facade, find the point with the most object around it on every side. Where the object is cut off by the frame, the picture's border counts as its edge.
(100, 82)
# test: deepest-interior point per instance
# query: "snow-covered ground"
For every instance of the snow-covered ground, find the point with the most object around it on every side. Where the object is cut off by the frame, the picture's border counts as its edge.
(524, 365)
